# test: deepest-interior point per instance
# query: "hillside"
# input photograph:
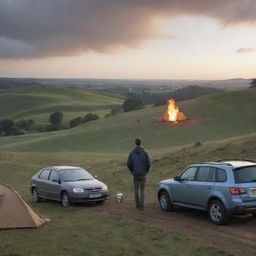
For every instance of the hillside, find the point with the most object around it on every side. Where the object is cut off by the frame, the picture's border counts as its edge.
(39, 102)
(123, 225)
(214, 117)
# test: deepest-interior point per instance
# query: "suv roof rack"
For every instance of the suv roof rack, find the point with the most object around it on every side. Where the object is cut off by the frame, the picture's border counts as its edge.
(216, 163)
(219, 163)
(245, 160)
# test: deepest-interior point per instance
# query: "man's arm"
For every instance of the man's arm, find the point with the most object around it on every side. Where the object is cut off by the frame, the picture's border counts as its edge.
(129, 162)
(147, 162)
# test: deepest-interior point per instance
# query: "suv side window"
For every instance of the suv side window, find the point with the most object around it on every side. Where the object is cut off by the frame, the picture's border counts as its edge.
(203, 173)
(44, 174)
(189, 174)
(219, 175)
(54, 175)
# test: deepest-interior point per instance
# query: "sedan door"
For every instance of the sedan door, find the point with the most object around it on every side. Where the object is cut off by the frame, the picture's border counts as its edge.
(53, 187)
(41, 183)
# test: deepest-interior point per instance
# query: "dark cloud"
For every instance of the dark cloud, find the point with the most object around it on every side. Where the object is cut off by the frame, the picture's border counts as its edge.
(43, 28)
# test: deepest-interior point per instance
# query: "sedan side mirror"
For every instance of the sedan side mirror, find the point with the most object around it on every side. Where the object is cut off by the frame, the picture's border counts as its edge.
(56, 180)
(177, 178)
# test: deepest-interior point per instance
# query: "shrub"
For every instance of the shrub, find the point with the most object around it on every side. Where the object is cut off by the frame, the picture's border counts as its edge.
(90, 117)
(24, 124)
(132, 103)
(75, 122)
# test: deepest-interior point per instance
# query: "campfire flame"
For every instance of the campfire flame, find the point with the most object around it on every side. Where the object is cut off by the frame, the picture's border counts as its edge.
(173, 114)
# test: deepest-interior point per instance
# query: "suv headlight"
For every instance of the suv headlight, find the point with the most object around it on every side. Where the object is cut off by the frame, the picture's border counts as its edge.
(78, 190)
(104, 187)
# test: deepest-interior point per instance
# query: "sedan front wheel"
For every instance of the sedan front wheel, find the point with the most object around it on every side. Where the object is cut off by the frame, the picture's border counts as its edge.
(165, 202)
(65, 200)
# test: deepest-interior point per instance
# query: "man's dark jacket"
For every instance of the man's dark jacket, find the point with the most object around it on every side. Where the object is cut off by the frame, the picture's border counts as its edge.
(138, 162)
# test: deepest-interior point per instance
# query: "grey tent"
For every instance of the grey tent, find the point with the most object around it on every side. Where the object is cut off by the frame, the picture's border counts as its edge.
(15, 212)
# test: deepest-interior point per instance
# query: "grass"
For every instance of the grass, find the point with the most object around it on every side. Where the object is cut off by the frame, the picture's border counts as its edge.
(213, 117)
(90, 231)
(39, 102)
(224, 123)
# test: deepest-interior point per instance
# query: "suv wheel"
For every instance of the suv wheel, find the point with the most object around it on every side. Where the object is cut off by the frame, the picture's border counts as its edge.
(165, 202)
(65, 201)
(217, 213)
(35, 197)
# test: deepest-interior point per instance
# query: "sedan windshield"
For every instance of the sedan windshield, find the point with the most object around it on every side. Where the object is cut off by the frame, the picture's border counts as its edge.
(75, 175)
(245, 175)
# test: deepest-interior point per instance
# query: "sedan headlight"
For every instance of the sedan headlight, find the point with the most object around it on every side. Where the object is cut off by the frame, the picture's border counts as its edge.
(104, 187)
(78, 190)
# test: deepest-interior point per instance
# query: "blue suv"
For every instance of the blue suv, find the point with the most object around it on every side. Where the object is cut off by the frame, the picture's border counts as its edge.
(221, 188)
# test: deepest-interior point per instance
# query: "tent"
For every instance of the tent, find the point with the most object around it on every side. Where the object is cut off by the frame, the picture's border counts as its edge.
(15, 212)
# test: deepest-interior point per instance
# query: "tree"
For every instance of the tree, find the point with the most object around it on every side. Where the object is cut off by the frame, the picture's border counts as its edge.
(132, 103)
(90, 117)
(56, 118)
(24, 124)
(253, 83)
(75, 122)
(8, 127)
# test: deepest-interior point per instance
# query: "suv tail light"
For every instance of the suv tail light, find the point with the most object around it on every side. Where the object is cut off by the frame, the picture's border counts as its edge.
(237, 191)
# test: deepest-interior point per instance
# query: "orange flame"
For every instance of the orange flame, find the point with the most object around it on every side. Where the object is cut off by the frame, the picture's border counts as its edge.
(173, 114)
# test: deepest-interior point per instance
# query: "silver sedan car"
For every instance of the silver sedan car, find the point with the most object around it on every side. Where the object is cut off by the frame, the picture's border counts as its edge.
(67, 184)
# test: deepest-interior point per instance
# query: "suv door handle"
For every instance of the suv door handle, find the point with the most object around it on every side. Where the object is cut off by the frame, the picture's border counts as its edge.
(210, 187)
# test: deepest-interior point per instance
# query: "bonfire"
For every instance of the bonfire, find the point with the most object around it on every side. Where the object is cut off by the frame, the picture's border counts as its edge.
(172, 114)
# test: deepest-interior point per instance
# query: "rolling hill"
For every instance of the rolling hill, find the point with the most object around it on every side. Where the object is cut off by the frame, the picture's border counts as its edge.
(225, 124)
(213, 117)
(39, 102)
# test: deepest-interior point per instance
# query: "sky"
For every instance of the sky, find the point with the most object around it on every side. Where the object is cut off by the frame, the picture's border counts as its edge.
(138, 39)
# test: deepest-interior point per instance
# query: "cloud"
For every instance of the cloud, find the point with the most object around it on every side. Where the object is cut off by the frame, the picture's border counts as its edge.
(246, 50)
(36, 28)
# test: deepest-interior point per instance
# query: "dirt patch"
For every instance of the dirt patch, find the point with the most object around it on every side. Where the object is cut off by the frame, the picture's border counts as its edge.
(237, 237)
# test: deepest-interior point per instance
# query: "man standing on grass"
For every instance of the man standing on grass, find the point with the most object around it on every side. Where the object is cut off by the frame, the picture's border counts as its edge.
(139, 163)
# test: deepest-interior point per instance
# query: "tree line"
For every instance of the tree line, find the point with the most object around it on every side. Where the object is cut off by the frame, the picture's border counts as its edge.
(9, 127)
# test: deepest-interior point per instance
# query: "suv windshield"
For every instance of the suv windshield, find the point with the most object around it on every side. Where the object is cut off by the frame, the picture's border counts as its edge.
(75, 175)
(245, 175)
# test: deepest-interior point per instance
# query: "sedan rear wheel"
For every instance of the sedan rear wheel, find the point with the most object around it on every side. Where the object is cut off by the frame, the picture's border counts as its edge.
(217, 213)
(35, 197)
(65, 200)
(165, 202)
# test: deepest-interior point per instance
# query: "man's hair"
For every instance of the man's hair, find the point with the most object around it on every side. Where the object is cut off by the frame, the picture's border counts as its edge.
(138, 142)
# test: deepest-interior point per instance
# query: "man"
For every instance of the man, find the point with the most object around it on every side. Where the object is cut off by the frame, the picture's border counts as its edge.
(139, 163)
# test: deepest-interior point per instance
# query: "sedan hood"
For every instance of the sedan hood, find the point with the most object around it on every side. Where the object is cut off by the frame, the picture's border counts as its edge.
(85, 183)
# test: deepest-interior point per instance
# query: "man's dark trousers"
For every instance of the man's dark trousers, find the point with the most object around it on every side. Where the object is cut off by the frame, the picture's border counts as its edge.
(139, 187)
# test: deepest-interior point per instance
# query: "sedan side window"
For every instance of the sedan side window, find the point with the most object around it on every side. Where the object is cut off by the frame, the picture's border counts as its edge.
(203, 173)
(54, 175)
(44, 174)
(189, 174)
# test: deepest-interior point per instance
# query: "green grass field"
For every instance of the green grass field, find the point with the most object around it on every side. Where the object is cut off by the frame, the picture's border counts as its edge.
(213, 117)
(225, 124)
(91, 231)
(38, 103)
